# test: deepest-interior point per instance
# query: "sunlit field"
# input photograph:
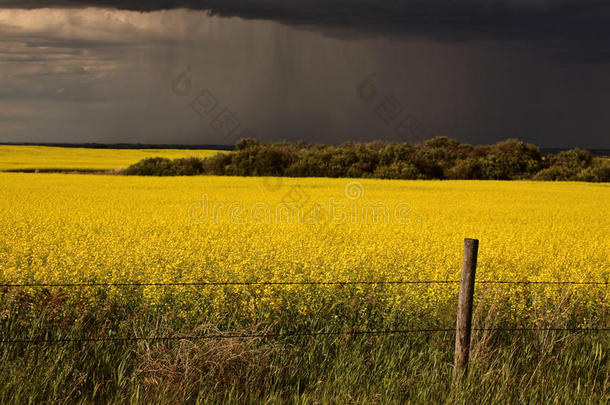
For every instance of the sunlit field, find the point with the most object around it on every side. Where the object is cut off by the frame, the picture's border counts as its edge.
(29, 158)
(80, 228)
(59, 228)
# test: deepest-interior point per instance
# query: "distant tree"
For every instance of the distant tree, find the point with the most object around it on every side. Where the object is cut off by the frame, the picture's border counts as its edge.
(246, 143)
(437, 158)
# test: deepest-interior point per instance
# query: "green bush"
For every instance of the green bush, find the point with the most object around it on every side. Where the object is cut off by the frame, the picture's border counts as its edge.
(570, 165)
(400, 170)
(152, 167)
(217, 164)
(188, 166)
(556, 173)
(599, 173)
(573, 159)
(437, 158)
(246, 143)
(165, 167)
(468, 169)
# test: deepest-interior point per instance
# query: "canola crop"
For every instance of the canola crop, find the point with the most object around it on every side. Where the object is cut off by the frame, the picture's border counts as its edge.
(58, 228)
(25, 158)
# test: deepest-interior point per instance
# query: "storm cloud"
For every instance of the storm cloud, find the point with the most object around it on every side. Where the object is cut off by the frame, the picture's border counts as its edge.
(457, 19)
(479, 71)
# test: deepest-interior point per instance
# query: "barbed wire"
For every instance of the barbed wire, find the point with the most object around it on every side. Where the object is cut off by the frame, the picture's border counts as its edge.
(285, 283)
(290, 334)
(228, 283)
(543, 282)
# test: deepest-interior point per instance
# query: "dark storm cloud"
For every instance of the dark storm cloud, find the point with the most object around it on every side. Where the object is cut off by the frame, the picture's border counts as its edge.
(447, 19)
(532, 69)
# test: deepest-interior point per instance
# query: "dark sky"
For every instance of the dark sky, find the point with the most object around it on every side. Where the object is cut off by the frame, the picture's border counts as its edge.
(197, 72)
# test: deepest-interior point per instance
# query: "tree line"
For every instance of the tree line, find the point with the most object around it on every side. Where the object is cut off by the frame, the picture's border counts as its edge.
(437, 158)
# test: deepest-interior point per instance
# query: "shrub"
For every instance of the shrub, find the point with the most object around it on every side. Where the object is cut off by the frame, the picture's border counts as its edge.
(567, 165)
(513, 159)
(599, 173)
(437, 158)
(188, 166)
(555, 173)
(467, 169)
(573, 159)
(217, 164)
(400, 170)
(156, 166)
(246, 143)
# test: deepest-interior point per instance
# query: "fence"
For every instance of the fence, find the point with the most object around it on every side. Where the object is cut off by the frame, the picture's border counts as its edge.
(463, 329)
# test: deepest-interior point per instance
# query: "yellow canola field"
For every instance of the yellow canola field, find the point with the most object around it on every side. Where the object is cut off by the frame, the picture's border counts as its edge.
(14, 157)
(85, 228)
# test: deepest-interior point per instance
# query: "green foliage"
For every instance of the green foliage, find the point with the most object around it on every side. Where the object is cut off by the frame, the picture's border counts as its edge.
(599, 172)
(506, 367)
(575, 165)
(246, 143)
(165, 167)
(397, 170)
(151, 167)
(437, 158)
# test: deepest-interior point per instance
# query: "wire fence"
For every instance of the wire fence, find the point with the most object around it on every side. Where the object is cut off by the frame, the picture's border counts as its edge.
(298, 333)
(293, 334)
(280, 283)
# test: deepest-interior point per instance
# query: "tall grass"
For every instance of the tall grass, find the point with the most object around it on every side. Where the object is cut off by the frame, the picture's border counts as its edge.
(506, 366)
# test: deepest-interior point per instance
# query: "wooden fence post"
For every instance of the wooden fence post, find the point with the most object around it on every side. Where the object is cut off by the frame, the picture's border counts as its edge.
(464, 311)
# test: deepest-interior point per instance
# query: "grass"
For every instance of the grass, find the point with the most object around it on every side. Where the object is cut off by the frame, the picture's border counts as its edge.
(50, 158)
(506, 367)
